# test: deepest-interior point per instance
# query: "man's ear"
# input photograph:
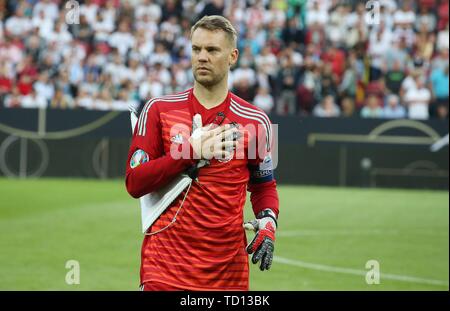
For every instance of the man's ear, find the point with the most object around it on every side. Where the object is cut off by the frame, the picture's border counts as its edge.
(234, 57)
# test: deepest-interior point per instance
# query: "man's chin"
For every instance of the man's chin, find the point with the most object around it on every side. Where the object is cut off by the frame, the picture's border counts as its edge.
(206, 82)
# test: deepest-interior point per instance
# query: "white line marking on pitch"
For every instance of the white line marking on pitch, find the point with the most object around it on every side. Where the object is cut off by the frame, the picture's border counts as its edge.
(395, 277)
(324, 232)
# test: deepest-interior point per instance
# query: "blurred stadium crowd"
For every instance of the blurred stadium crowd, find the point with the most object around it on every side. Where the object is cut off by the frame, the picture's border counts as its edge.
(319, 57)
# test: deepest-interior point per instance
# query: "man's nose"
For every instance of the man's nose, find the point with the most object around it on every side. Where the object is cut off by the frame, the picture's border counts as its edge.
(203, 56)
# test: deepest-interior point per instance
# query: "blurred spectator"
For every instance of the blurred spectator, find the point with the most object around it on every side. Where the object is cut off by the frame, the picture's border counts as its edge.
(443, 39)
(267, 64)
(44, 87)
(337, 26)
(439, 81)
(393, 109)
(83, 31)
(25, 85)
(264, 100)
(425, 19)
(418, 99)
(244, 72)
(372, 108)
(405, 16)
(380, 43)
(245, 90)
(351, 77)
(348, 107)
(442, 112)
(292, 33)
(317, 15)
(42, 23)
(102, 27)
(6, 83)
(19, 25)
(334, 59)
(394, 78)
(328, 81)
(171, 8)
(442, 13)
(425, 43)
(89, 10)
(150, 9)
(34, 100)
(441, 60)
(122, 39)
(10, 52)
(61, 100)
(327, 108)
(287, 83)
(13, 99)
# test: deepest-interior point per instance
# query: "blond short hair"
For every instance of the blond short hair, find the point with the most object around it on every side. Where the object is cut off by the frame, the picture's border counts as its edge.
(217, 22)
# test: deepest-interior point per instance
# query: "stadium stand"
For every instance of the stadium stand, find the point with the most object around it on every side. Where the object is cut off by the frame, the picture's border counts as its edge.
(323, 57)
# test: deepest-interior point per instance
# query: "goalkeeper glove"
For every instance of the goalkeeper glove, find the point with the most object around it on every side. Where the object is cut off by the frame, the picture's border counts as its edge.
(262, 245)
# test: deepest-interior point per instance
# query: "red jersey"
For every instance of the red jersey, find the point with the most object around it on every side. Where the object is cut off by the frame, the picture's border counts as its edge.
(204, 249)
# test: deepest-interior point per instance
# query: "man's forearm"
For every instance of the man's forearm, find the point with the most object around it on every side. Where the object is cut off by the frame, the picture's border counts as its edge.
(264, 196)
(154, 174)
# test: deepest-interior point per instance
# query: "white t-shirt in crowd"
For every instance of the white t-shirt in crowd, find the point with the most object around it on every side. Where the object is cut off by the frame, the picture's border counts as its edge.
(265, 102)
(118, 72)
(245, 74)
(90, 12)
(150, 89)
(123, 41)
(442, 40)
(404, 17)
(153, 11)
(267, 64)
(45, 26)
(86, 102)
(62, 37)
(12, 54)
(47, 90)
(30, 101)
(418, 101)
(137, 75)
(377, 51)
(50, 10)
(162, 58)
(319, 17)
(408, 84)
(103, 29)
(18, 26)
(101, 104)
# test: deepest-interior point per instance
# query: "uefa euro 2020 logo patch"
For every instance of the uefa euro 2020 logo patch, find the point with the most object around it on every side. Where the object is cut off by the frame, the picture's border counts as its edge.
(139, 157)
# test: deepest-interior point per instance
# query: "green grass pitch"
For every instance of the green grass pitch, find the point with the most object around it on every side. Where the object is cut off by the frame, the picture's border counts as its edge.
(325, 237)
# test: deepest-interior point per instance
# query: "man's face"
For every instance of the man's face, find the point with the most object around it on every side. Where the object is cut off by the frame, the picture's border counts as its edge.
(212, 56)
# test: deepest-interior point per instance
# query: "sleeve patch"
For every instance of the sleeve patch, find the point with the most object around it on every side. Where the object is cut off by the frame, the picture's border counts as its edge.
(139, 157)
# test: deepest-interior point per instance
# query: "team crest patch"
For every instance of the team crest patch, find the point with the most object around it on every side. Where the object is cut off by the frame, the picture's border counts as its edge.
(139, 157)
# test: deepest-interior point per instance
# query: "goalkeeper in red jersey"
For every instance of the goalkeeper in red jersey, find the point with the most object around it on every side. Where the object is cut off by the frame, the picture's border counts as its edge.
(199, 241)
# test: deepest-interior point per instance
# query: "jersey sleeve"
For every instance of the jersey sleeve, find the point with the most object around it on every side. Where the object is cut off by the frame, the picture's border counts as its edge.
(262, 184)
(148, 168)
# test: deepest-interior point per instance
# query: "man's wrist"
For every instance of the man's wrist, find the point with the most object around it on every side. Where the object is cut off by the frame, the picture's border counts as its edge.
(268, 213)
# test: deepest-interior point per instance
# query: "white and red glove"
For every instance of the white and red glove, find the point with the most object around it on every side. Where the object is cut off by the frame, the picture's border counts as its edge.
(262, 245)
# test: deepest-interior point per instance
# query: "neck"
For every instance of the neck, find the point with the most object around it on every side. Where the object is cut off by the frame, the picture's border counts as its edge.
(210, 97)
